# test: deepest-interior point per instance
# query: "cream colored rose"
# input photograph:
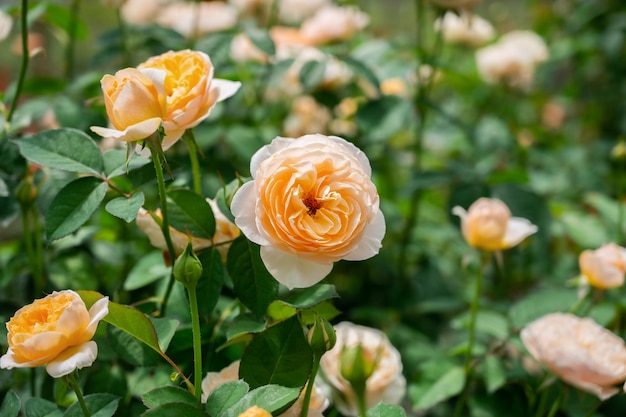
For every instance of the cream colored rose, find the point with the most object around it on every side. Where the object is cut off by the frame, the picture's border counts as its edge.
(295, 11)
(333, 23)
(513, 59)
(212, 380)
(311, 203)
(306, 116)
(488, 225)
(225, 231)
(141, 12)
(243, 50)
(55, 330)
(191, 92)
(6, 23)
(386, 383)
(194, 19)
(135, 102)
(467, 29)
(579, 351)
(604, 267)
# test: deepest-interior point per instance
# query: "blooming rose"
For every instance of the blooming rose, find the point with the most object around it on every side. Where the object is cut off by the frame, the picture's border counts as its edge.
(306, 115)
(468, 29)
(386, 383)
(196, 19)
(455, 4)
(55, 330)
(488, 225)
(333, 23)
(311, 203)
(513, 59)
(604, 267)
(135, 103)
(579, 351)
(242, 49)
(225, 231)
(295, 11)
(212, 380)
(191, 92)
(6, 23)
(141, 12)
(255, 411)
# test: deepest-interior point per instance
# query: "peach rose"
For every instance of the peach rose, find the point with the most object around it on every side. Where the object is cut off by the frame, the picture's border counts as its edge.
(255, 411)
(55, 330)
(604, 267)
(141, 12)
(225, 231)
(488, 225)
(333, 23)
(386, 383)
(295, 11)
(243, 50)
(135, 103)
(468, 29)
(212, 380)
(196, 19)
(311, 203)
(191, 91)
(513, 59)
(306, 115)
(579, 351)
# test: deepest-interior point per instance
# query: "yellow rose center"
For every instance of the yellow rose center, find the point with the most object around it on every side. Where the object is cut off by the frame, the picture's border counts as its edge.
(40, 316)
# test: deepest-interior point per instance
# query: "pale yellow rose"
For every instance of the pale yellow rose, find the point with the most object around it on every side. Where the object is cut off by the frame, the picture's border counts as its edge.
(604, 267)
(225, 231)
(333, 23)
(6, 23)
(386, 383)
(135, 103)
(467, 29)
(193, 19)
(488, 225)
(191, 92)
(306, 116)
(318, 402)
(513, 59)
(55, 330)
(311, 203)
(579, 351)
(243, 50)
(255, 411)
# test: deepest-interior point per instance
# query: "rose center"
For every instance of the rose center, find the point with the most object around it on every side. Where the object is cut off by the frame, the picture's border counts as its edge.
(312, 204)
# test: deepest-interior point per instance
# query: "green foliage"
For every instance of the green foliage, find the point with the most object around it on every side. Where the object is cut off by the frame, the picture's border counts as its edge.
(11, 405)
(190, 213)
(126, 208)
(100, 405)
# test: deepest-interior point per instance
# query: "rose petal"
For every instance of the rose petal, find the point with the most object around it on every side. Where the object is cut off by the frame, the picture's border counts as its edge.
(371, 242)
(226, 88)
(40, 348)
(97, 312)
(242, 208)
(517, 229)
(132, 133)
(266, 151)
(75, 357)
(291, 270)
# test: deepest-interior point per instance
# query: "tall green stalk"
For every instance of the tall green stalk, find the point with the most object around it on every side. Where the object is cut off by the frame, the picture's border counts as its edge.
(192, 146)
(126, 59)
(25, 60)
(72, 382)
(71, 32)
(197, 343)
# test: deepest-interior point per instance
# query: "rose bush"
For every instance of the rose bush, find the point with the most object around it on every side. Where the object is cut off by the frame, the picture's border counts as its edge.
(311, 203)
(579, 351)
(55, 331)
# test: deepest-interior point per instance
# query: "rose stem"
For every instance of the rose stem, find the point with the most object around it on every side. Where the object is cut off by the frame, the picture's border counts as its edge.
(197, 343)
(25, 59)
(71, 31)
(190, 140)
(123, 38)
(71, 379)
(309, 387)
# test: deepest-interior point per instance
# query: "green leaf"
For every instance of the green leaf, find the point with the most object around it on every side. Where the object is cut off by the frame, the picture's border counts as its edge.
(73, 206)
(115, 162)
(539, 304)
(225, 396)
(242, 327)
(448, 385)
(487, 322)
(149, 268)
(312, 74)
(168, 394)
(279, 355)
(38, 407)
(311, 296)
(386, 410)
(175, 410)
(165, 329)
(11, 405)
(271, 398)
(127, 319)
(210, 284)
(279, 311)
(66, 149)
(384, 117)
(262, 40)
(493, 373)
(190, 212)
(99, 405)
(126, 208)
(363, 71)
(253, 284)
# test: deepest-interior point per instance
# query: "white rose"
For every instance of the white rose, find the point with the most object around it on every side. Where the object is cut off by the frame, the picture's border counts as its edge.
(468, 29)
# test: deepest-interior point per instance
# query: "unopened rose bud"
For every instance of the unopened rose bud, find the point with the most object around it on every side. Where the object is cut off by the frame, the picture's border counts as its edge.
(356, 366)
(26, 192)
(188, 267)
(321, 336)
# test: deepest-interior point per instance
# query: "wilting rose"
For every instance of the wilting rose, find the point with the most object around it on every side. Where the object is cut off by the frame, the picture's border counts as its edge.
(135, 102)
(604, 267)
(191, 92)
(386, 383)
(311, 203)
(55, 330)
(579, 351)
(196, 19)
(212, 380)
(468, 29)
(6, 23)
(333, 23)
(513, 59)
(488, 225)
(295, 11)
(225, 231)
